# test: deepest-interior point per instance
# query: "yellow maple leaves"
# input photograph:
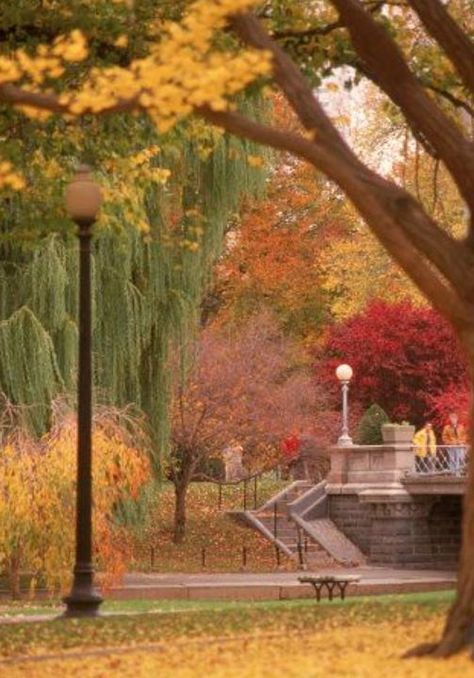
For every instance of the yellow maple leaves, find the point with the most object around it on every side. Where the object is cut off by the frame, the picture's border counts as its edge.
(9, 178)
(47, 62)
(184, 70)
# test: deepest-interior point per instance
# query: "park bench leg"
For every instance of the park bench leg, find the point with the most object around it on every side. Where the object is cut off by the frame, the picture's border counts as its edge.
(342, 588)
(330, 587)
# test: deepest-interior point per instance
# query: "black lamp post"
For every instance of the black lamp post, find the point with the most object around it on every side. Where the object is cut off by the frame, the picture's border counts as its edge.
(83, 200)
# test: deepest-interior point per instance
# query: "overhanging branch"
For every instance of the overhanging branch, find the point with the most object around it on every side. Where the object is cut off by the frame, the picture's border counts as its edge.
(18, 96)
(456, 44)
(384, 59)
(330, 154)
(393, 215)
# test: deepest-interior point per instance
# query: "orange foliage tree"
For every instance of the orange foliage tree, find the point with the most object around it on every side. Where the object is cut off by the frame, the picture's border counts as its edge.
(37, 480)
(272, 257)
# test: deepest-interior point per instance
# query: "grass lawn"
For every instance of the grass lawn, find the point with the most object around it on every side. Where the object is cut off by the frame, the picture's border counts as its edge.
(358, 638)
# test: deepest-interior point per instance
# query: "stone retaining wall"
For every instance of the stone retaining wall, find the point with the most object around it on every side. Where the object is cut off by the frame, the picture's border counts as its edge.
(353, 518)
(419, 532)
(445, 529)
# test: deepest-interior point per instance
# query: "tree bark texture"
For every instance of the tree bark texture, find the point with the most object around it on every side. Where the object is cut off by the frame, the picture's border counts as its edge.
(459, 627)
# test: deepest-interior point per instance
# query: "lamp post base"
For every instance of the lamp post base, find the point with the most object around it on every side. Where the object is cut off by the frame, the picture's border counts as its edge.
(82, 605)
(344, 441)
(84, 600)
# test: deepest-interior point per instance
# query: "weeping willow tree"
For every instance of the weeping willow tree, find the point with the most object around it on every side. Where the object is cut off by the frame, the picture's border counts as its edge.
(155, 242)
(152, 261)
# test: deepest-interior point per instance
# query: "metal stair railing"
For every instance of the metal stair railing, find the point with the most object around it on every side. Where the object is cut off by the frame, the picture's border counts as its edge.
(252, 481)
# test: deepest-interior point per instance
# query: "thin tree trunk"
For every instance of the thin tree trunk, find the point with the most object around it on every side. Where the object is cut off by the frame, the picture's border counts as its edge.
(180, 491)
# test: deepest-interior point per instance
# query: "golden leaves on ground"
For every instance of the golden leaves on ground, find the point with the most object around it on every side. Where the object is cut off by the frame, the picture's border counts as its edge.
(371, 649)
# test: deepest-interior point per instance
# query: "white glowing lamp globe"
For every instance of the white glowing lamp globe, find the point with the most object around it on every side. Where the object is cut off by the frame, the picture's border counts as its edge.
(344, 372)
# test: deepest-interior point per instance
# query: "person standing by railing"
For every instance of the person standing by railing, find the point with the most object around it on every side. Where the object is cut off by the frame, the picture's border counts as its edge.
(424, 443)
(454, 435)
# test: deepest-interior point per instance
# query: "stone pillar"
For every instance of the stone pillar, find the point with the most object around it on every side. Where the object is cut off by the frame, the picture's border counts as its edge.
(380, 465)
(232, 457)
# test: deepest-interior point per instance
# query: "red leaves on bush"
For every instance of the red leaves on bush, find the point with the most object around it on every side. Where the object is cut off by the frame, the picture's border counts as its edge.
(402, 356)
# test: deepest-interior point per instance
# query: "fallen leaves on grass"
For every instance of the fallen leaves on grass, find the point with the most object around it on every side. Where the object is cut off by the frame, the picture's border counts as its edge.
(370, 649)
(209, 527)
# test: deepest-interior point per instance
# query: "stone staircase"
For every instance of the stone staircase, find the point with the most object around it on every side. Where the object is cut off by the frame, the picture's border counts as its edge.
(296, 521)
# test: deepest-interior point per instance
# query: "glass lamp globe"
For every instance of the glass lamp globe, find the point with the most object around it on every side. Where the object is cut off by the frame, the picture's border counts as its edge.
(83, 196)
(344, 372)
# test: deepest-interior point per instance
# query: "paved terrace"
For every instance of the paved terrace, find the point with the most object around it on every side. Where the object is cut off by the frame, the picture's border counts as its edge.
(276, 585)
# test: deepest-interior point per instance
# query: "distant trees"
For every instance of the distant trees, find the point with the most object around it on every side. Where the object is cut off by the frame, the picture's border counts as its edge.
(240, 389)
(402, 356)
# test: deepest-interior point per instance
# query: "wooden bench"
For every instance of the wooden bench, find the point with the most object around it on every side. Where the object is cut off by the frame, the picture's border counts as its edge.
(330, 582)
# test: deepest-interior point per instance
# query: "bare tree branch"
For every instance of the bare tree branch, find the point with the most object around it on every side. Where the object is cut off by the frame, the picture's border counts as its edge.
(316, 31)
(449, 96)
(442, 27)
(383, 57)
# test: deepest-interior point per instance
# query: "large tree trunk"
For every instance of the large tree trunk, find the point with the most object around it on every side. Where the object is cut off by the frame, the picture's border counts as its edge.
(180, 491)
(459, 628)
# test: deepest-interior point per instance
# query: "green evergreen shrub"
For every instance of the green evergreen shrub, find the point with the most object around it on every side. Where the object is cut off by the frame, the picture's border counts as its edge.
(369, 431)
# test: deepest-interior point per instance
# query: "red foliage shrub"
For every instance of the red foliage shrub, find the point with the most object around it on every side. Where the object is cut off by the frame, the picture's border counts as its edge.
(402, 356)
(455, 399)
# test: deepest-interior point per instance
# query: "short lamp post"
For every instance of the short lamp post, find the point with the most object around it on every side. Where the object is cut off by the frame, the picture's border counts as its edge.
(344, 374)
(83, 200)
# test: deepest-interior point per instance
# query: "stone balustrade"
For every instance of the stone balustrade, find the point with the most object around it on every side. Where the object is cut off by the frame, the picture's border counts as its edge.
(370, 501)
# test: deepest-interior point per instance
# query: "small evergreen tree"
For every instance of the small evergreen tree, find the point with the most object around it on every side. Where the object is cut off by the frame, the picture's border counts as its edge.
(369, 431)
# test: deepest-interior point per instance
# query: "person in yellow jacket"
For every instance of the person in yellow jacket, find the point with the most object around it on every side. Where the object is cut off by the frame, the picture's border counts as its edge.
(455, 438)
(424, 443)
